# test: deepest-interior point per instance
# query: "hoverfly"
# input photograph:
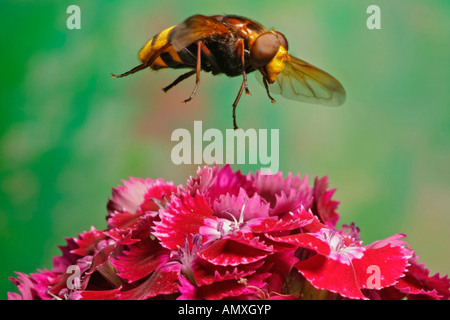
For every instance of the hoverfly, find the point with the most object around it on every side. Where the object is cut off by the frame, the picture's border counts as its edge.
(236, 46)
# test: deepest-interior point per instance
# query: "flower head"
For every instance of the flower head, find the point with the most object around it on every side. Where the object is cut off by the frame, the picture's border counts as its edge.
(226, 235)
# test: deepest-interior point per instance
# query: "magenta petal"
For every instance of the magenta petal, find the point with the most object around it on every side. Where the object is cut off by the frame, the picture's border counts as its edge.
(140, 260)
(206, 273)
(389, 260)
(100, 259)
(324, 207)
(88, 241)
(163, 281)
(418, 283)
(394, 241)
(304, 240)
(213, 182)
(232, 288)
(122, 220)
(121, 237)
(356, 266)
(136, 197)
(293, 220)
(231, 205)
(281, 265)
(31, 287)
(331, 275)
(157, 195)
(204, 180)
(229, 182)
(188, 290)
(291, 201)
(112, 294)
(227, 252)
(272, 186)
(183, 217)
(129, 196)
(144, 225)
(68, 258)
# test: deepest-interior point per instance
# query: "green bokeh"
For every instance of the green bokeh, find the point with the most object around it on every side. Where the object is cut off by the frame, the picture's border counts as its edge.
(69, 132)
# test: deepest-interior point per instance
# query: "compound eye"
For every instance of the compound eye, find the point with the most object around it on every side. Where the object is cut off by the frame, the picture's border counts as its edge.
(282, 39)
(264, 49)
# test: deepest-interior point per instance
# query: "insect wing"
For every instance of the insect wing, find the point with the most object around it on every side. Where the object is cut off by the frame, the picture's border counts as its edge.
(195, 28)
(303, 82)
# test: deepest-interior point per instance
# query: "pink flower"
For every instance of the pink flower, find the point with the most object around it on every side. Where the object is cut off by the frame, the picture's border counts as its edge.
(226, 235)
(341, 265)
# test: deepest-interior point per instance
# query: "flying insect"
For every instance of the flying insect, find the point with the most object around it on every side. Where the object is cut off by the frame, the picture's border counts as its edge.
(236, 46)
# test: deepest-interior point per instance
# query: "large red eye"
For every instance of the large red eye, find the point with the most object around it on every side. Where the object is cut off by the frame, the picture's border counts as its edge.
(282, 39)
(264, 49)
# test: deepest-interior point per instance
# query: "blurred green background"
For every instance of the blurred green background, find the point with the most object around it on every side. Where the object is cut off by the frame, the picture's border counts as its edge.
(69, 132)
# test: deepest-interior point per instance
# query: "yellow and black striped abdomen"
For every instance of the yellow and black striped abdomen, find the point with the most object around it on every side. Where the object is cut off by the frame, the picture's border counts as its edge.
(169, 58)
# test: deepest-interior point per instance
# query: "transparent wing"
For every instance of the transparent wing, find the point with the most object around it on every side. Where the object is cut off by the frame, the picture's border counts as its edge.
(303, 82)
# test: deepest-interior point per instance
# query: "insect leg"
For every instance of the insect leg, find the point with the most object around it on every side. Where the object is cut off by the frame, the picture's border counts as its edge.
(266, 85)
(144, 65)
(179, 79)
(240, 52)
(135, 69)
(244, 85)
(197, 71)
(211, 61)
(235, 105)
